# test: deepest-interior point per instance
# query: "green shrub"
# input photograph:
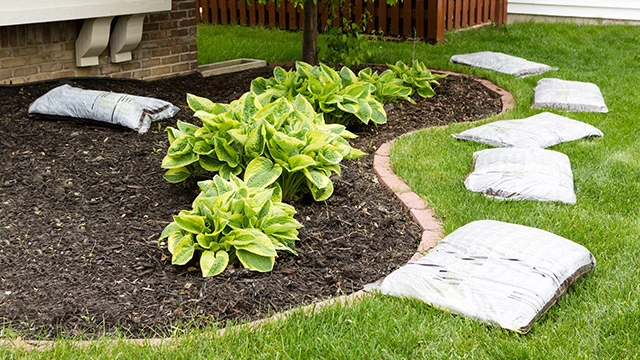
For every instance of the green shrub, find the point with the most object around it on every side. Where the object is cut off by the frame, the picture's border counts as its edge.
(234, 219)
(341, 96)
(289, 133)
(418, 77)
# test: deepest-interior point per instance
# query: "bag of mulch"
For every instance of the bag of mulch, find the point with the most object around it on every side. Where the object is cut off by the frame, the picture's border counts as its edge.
(503, 63)
(539, 131)
(134, 112)
(496, 272)
(569, 96)
(522, 174)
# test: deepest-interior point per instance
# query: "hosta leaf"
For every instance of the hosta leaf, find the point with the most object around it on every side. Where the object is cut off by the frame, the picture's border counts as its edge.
(225, 152)
(213, 263)
(355, 153)
(348, 107)
(304, 68)
(280, 224)
(277, 192)
(223, 185)
(364, 111)
(238, 135)
(260, 198)
(190, 223)
(299, 162)
(177, 175)
(328, 75)
(426, 91)
(210, 163)
(255, 262)
(330, 157)
(187, 128)
(173, 240)
(173, 134)
(320, 194)
(227, 171)
(197, 103)
(176, 161)
(261, 172)
(169, 229)
(280, 74)
(183, 252)
(336, 129)
(203, 205)
(348, 77)
(358, 90)
(203, 148)
(304, 107)
(378, 115)
(258, 85)
(254, 241)
(181, 145)
(317, 178)
(256, 141)
(278, 108)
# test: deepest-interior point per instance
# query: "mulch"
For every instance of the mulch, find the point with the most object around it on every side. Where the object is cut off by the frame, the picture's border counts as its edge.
(82, 206)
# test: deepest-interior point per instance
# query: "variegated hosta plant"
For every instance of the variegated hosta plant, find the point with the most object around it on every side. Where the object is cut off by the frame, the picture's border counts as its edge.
(341, 96)
(289, 133)
(235, 219)
(418, 77)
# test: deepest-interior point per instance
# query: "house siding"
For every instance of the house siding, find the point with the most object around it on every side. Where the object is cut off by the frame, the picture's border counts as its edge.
(46, 51)
(628, 10)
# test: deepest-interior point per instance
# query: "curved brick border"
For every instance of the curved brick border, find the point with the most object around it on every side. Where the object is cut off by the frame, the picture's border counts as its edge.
(431, 234)
(432, 230)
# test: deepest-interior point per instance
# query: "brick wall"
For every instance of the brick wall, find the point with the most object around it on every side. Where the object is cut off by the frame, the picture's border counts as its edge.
(37, 52)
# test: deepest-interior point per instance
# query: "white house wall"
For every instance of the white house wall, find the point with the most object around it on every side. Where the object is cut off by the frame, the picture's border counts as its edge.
(39, 11)
(594, 9)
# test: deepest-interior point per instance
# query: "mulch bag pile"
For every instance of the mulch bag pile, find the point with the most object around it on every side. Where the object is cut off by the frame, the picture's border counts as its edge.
(538, 131)
(503, 63)
(522, 174)
(134, 112)
(568, 95)
(493, 271)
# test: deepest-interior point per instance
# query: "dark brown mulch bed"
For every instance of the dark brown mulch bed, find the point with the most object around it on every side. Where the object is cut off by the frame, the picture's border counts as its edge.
(81, 208)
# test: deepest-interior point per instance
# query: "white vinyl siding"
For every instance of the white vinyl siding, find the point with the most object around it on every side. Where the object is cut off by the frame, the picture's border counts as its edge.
(596, 9)
(39, 11)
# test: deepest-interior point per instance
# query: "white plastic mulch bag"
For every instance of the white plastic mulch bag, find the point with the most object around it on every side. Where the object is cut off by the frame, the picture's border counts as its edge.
(540, 131)
(134, 112)
(496, 272)
(522, 173)
(503, 63)
(569, 96)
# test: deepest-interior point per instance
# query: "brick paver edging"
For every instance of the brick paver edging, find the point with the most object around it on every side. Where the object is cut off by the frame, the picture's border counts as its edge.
(431, 234)
(432, 230)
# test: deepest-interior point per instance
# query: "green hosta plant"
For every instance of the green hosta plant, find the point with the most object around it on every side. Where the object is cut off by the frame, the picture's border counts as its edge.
(418, 77)
(287, 132)
(235, 219)
(341, 96)
(388, 87)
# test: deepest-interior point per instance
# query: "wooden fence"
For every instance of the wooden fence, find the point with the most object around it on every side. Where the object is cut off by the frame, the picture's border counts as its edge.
(410, 18)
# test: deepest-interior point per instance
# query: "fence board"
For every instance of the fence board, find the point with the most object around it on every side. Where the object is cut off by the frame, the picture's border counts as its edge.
(242, 13)
(394, 13)
(282, 15)
(421, 18)
(465, 14)
(406, 17)
(382, 18)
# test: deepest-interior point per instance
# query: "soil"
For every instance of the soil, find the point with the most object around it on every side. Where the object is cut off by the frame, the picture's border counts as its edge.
(82, 206)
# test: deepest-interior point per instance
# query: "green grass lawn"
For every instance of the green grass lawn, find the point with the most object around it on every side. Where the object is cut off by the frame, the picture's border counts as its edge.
(599, 317)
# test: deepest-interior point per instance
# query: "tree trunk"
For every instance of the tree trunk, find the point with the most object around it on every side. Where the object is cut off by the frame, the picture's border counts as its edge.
(310, 33)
